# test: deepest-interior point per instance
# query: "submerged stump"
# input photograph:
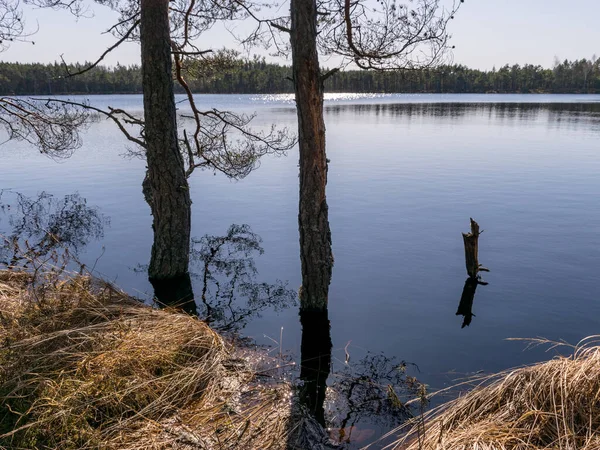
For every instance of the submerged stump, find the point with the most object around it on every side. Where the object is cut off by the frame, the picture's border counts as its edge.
(471, 241)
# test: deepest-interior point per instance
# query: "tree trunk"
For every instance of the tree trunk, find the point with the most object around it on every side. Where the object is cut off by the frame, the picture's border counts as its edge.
(471, 241)
(313, 222)
(165, 186)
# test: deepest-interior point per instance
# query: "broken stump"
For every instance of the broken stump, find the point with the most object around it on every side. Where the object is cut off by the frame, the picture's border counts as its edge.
(471, 241)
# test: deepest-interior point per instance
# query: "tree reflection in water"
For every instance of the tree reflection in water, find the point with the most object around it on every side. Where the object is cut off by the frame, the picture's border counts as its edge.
(372, 393)
(315, 365)
(51, 230)
(355, 401)
(229, 295)
(465, 307)
(45, 230)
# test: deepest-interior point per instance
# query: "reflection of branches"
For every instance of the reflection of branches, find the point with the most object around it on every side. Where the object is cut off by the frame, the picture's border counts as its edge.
(43, 227)
(371, 390)
(228, 276)
(51, 126)
(315, 366)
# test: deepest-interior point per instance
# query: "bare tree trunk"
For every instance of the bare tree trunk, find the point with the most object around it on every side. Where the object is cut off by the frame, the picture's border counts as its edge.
(165, 186)
(471, 241)
(313, 221)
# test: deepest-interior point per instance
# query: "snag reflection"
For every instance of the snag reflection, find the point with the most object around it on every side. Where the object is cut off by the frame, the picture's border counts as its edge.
(465, 307)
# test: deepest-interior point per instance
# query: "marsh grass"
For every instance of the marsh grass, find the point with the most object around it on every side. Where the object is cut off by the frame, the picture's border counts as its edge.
(83, 365)
(551, 405)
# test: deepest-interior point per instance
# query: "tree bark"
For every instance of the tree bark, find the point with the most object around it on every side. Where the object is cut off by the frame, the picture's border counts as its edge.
(471, 241)
(313, 218)
(165, 186)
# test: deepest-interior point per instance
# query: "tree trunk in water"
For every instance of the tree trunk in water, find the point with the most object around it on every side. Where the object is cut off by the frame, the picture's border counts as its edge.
(315, 361)
(313, 221)
(165, 186)
(471, 241)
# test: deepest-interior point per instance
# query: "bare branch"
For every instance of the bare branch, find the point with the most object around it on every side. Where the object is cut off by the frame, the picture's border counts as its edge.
(106, 52)
(76, 7)
(228, 144)
(212, 146)
(389, 37)
(112, 114)
(279, 27)
(53, 128)
(329, 73)
(12, 25)
(122, 22)
(198, 53)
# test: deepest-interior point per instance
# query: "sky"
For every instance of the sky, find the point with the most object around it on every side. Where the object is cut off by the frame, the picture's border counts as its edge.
(486, 34)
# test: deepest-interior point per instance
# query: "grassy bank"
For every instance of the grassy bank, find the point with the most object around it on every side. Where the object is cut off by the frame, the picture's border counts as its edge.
(551, 405)
(83, 365)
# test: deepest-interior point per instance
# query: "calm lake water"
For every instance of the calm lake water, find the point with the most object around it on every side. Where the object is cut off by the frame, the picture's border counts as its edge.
(406, 173)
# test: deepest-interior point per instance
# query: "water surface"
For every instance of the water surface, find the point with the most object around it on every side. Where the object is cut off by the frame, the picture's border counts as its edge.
(406, 173)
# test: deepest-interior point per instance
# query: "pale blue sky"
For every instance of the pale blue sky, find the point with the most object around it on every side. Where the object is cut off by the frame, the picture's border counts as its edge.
(486, 33)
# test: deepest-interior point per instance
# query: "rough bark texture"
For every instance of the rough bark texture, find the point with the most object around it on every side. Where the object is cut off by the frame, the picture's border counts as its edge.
(165, 186)
(313, 221)
(471, 241)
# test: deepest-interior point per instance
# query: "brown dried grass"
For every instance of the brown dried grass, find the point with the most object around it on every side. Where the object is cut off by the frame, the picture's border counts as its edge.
(83, 365)
(551, 405)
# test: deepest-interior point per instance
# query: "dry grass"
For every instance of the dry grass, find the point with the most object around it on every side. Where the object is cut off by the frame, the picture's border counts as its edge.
(551, 405)
(83, 365)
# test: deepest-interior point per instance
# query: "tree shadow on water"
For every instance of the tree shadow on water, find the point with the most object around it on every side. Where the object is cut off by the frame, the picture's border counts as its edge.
(465, 307)
(344, 403)
(370, 397)
(229, 294)
(315, 362)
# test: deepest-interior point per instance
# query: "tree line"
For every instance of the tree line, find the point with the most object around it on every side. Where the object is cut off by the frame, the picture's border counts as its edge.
(256, 76)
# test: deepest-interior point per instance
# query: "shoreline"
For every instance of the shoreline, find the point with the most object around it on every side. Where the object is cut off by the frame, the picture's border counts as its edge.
(85, 365)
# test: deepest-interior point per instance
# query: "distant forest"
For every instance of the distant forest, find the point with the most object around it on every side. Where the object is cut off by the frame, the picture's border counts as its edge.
(258, 76)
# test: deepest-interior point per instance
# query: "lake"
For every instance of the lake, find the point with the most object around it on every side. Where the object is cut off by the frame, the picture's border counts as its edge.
(406, 173)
